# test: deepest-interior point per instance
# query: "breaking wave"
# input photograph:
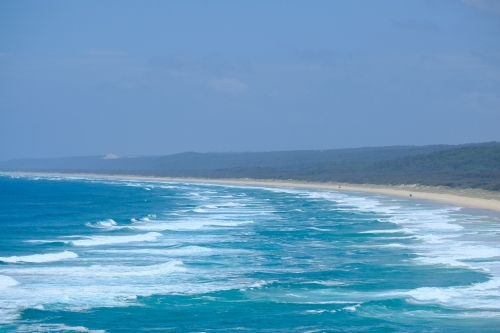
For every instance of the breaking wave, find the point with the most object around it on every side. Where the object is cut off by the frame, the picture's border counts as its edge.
(40, 258)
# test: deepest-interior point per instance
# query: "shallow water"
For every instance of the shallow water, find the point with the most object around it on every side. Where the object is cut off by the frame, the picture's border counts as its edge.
(86, 255)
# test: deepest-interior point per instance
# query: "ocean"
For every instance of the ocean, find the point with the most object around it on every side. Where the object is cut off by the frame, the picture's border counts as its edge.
(101, 255)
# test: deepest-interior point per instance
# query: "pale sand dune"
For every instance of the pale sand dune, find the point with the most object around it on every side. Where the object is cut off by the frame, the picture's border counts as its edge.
(470, 198)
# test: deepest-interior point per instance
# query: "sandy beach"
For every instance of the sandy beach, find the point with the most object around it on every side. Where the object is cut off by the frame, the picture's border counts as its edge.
(467, 198)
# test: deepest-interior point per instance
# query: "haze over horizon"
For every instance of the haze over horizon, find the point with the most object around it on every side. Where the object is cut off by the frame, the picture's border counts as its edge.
(156, 78)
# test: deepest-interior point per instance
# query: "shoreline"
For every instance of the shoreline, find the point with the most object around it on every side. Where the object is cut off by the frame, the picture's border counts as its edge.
(466, 198)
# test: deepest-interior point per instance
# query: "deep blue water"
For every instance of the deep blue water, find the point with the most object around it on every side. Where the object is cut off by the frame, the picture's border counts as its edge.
(83, 255)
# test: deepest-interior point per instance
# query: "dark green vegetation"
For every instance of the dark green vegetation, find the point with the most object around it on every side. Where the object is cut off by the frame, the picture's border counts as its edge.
(464, 166)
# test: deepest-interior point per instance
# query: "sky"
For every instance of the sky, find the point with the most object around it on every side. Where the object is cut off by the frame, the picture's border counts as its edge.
(160, 77)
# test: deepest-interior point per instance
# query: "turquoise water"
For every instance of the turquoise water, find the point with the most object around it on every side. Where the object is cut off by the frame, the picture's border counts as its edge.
(83, 255)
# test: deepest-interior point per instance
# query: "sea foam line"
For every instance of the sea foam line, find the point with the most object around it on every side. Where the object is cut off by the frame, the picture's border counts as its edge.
(101, 224)
(145, 224)
(103, 240)
(56, 328)
(98, 272)
(40, 258)
(7, 281)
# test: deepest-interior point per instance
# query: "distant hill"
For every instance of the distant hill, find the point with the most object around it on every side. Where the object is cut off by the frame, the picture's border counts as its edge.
(471, 165)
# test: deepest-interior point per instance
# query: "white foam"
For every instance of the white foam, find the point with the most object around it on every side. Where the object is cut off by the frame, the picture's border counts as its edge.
(432, 233)
(230, 204)
(480, 296)
(319, 229)
(184, 225)
(386, 231)
(101, 240)
(79, 288)
(99, 271)
(188, 251)
(314, 312)
(108, 240)
(394, 245)
(351, 308)
(41, 258)
(167, 252)
(6, 282)
(438, 237)
(259, 284)
(102, 224)
(56, 328)
(328, 283)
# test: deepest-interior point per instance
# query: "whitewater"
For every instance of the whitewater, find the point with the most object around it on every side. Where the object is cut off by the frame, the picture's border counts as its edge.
(97, 255)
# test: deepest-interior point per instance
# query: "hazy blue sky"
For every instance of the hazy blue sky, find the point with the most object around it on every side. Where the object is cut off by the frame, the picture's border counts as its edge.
(158, 77)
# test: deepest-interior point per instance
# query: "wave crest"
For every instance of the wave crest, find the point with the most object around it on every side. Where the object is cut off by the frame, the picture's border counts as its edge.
(107, 240)
(7, 281)
(102, 224)
(40, 258)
